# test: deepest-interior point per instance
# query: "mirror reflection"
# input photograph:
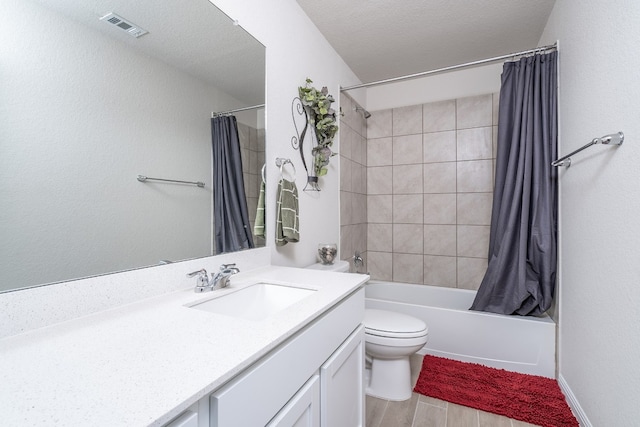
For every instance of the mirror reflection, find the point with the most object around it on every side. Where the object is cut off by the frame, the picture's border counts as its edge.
(86, 107)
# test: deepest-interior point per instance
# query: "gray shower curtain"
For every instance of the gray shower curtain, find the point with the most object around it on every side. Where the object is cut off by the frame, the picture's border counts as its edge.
(521, 273)
(231, 217)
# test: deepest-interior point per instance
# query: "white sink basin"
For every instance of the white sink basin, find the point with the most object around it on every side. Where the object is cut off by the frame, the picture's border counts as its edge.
(255, 302)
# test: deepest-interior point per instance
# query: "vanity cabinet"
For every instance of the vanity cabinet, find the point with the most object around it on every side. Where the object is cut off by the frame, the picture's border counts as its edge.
(334, 397)
(315, 378)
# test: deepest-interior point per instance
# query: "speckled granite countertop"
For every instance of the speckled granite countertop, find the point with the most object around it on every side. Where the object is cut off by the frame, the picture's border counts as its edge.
(145, 362)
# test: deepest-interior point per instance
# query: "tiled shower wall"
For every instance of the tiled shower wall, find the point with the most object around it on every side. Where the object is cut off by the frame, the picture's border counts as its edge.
(252, 151)
(353, 182)
(429, 191)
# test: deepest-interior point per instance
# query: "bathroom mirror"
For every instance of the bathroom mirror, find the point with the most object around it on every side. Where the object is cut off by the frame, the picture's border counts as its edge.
(86, 107)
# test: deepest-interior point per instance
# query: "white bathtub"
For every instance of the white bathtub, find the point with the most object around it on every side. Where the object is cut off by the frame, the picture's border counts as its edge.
(515, 343)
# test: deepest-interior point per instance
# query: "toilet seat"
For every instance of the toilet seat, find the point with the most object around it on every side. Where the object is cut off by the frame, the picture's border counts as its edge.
(390, 324)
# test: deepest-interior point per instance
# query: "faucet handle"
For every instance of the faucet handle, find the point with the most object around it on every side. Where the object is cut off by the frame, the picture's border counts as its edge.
(229, 268)
(201, 272)
(202, 279)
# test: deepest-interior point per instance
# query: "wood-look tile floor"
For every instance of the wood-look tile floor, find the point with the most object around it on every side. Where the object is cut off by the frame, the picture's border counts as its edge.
(423, 411)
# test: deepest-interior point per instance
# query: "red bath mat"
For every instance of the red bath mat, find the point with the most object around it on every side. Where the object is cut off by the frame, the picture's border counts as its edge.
(530, 398)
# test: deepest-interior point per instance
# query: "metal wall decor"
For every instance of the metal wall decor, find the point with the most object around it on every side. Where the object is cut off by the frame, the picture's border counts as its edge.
(313, 106)
(297, 142)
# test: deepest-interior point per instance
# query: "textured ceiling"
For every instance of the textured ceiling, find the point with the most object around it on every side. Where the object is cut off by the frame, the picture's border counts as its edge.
(193, 36)
(382, 39)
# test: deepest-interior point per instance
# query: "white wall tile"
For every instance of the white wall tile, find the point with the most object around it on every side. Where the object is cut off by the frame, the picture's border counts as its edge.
(470, 272)
(407, 120)
(474, 208)
(407, 149)
(359, 208)
(359, 240)
(380, 124)
(379, 152)
(345, 174)
(346, 241)
(439, 177)
(473, 241)
(380, 237)
(379, 209)
(345, 141)
(440, 271)
(475, 176)
(439, 147)
(407, 209)
(440, 240)
(358, 148)
(407, 179)
(474, 144)
(380, 180)
(439, 209)
(474, 111)
(408, 238)
(439, 116)
(357, 181)
(345, 208)
(408, 268)
(380, 265)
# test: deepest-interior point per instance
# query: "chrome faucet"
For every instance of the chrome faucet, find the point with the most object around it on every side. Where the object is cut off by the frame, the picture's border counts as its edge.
(220, 280)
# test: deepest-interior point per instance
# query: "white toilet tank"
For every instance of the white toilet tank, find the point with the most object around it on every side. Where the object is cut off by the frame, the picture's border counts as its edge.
(338, 266)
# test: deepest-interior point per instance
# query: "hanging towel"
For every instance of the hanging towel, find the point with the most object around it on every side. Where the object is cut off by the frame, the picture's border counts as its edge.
(287, 213)
(258, 227)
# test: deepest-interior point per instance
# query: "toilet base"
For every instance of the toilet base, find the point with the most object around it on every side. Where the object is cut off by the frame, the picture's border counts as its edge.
(390, 379)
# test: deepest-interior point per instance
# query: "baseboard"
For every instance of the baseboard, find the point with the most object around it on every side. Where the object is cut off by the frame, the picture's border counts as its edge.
(573, 403)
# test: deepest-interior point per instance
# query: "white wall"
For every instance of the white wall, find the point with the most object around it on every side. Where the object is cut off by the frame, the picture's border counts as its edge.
(439, 87)
(600, 207)
(81, 116)
(295, 50)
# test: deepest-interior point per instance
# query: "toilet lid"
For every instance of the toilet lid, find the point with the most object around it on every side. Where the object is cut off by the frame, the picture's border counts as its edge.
(391, 324)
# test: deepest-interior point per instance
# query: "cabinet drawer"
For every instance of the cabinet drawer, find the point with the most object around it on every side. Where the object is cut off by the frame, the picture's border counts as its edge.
(257, 395)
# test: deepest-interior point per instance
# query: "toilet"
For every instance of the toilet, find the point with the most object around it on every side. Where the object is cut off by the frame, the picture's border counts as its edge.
(390, 339)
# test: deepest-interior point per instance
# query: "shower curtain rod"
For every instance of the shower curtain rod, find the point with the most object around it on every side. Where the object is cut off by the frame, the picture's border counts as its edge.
(450, 68)
(222, 113)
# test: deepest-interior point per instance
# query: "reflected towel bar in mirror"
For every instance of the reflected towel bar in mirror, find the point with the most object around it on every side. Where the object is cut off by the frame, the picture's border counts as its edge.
(143, 178)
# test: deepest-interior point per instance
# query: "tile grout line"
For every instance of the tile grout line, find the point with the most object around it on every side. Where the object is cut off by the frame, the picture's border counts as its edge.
(456, 147)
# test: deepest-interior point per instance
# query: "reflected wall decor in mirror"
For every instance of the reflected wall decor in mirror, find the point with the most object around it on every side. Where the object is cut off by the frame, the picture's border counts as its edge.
(86, 107)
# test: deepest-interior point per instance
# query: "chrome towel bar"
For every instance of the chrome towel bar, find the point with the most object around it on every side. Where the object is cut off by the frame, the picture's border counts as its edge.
(143, 178)
(612, 139)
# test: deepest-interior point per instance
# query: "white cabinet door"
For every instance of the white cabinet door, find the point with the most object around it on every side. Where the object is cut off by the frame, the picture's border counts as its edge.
(186, 419)
(342, 384)
(303, 410)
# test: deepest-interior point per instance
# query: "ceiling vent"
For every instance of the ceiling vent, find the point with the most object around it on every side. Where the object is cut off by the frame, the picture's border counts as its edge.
(128, 26)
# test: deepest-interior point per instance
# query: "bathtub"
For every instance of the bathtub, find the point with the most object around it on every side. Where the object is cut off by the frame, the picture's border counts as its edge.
(515, 343)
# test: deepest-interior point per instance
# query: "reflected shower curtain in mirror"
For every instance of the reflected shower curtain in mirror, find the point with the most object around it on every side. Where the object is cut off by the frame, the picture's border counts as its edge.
(521, 273)
(231, 217)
